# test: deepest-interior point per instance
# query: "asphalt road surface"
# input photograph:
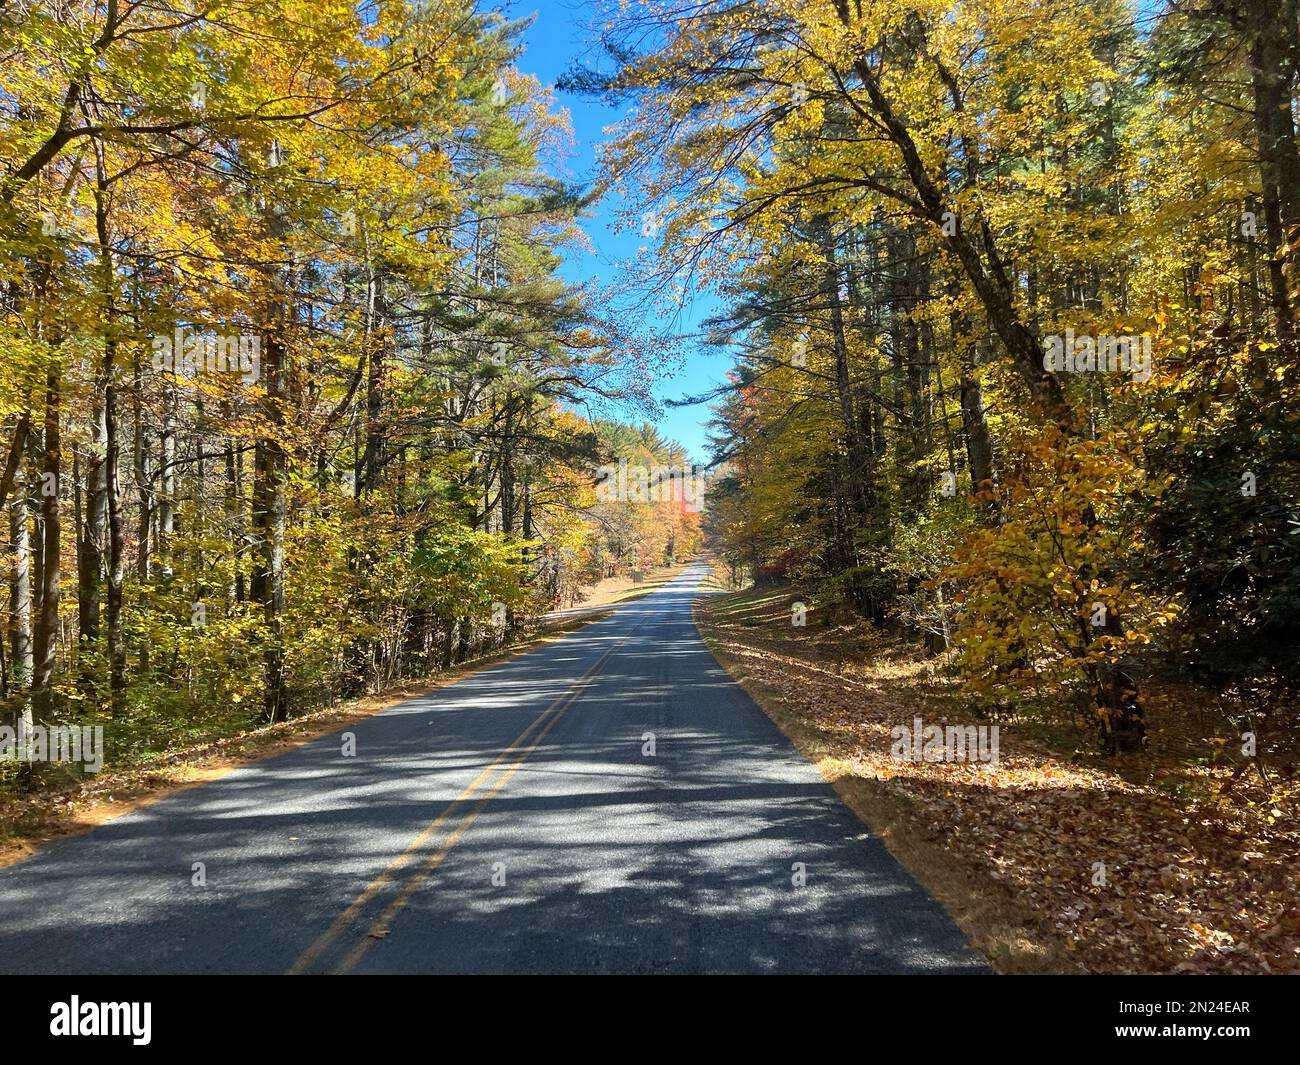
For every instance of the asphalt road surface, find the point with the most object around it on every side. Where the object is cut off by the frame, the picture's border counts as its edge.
(609, 802)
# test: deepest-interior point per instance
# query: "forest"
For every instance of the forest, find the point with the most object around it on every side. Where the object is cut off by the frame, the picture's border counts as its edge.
(1013, 285)
(1009, 445)
(294, 401)
(303, 408)
(294, 394)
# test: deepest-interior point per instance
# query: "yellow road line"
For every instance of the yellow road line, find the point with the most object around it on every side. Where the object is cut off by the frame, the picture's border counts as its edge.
(434, 860)
(561, 702)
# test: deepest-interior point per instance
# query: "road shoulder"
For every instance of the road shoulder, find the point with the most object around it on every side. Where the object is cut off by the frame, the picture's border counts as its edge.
(740, 631)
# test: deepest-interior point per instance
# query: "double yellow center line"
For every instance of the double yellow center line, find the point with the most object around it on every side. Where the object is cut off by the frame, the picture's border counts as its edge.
(507, 766)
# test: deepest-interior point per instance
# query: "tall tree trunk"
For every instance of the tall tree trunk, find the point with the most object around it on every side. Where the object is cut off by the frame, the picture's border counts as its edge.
(145, 497)
(104, 512)
(91, 535)
(859, 469)
(269, 523)
(1279, 162)
(235, 521)
(116, 638)
(20, 592)
(371, 463)
(166, 511)
(46, 636)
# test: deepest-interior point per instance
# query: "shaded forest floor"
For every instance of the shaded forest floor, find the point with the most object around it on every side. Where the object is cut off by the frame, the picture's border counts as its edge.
(61, 801)
(1202, 871)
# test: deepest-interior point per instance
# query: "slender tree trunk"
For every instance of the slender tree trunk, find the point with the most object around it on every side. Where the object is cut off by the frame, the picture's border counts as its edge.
(166, 513)
(235, 522)
(974, 421)
(859, 471)
(270, 522)
(46, 636)
(116, 638)
(91, 535)
(140, 461)
(1279, 161)
(20, 592)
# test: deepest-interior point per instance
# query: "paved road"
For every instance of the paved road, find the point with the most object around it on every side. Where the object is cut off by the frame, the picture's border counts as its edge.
(508, 823)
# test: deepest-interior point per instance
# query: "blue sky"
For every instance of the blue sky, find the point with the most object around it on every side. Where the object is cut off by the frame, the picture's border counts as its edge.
(553, 43)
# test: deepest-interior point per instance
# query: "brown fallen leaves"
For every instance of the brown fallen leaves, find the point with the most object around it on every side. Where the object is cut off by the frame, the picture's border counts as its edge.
(1135, 864)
